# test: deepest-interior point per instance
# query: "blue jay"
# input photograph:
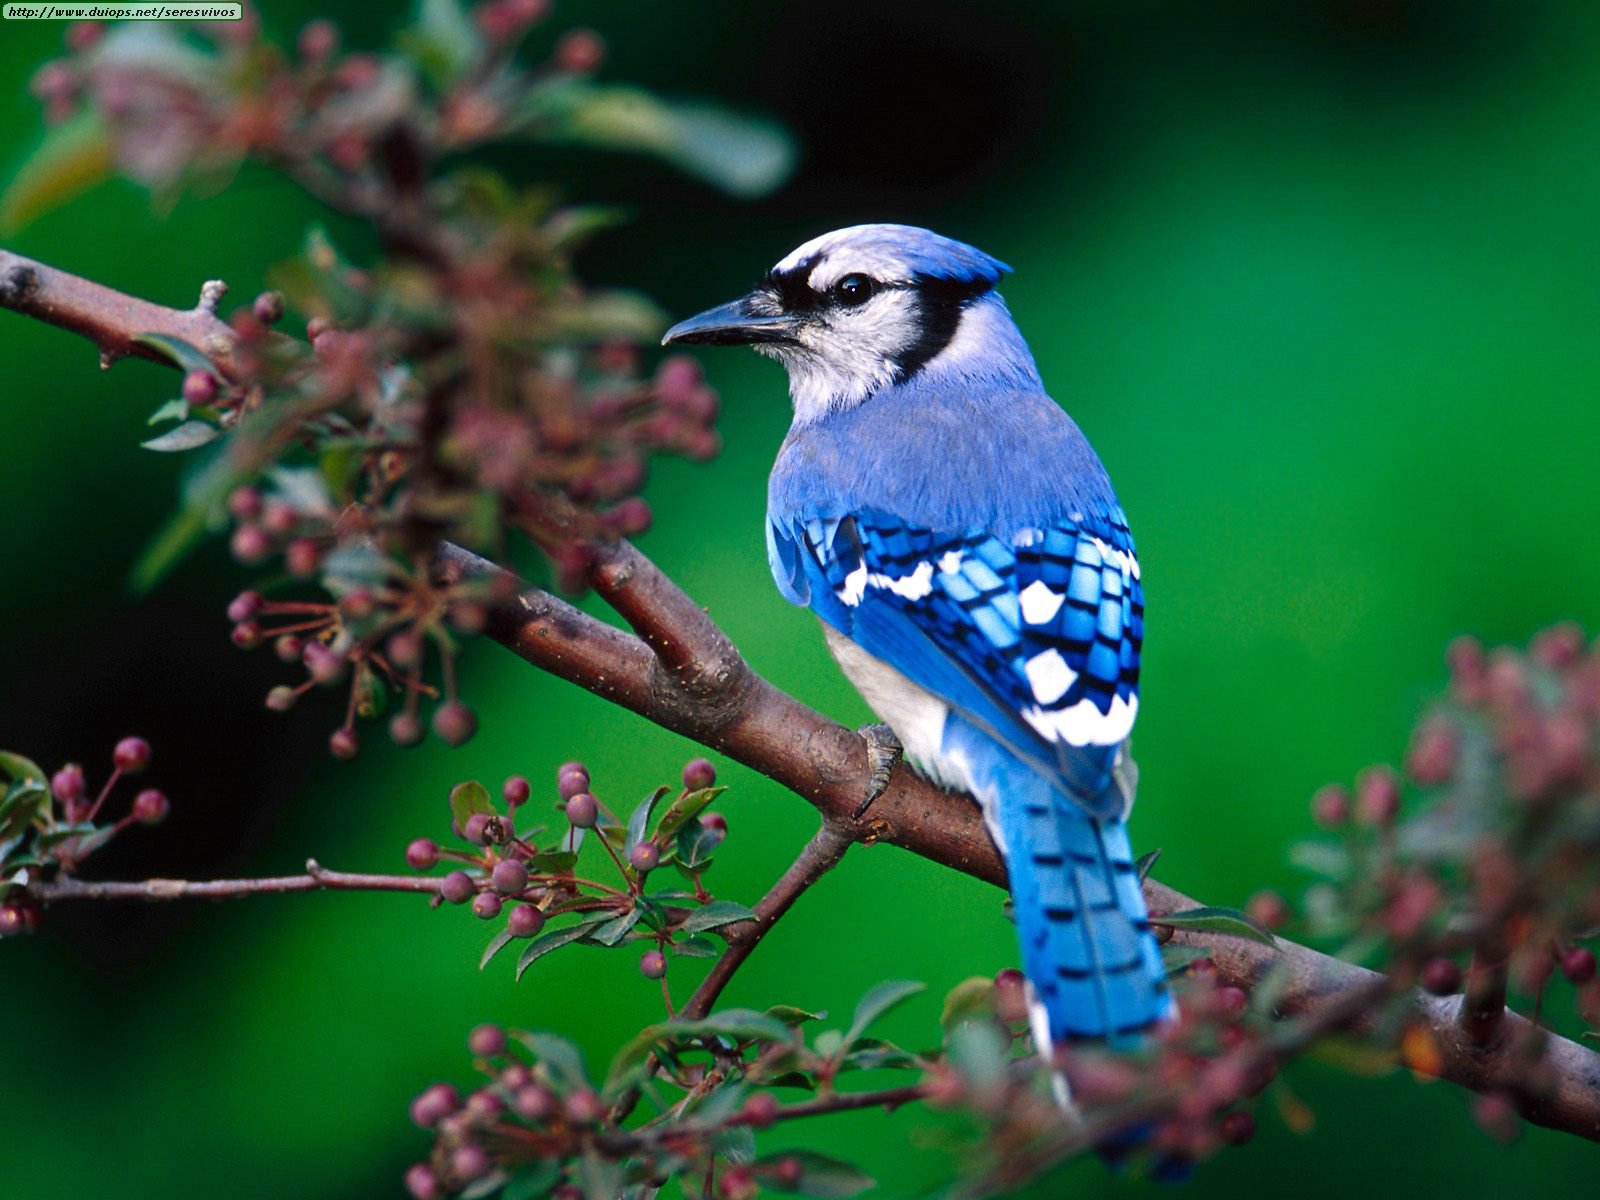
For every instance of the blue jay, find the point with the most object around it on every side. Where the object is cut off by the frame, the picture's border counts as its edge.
(975, 580)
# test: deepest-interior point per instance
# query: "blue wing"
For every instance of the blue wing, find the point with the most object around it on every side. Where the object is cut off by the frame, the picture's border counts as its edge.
(1034, 638)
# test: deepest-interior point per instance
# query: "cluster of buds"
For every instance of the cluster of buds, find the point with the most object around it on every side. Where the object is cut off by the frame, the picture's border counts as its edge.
(49, 827)
(1484, 852)
(535, 1105)
(373, 640)
(504, 872)
(468, 389)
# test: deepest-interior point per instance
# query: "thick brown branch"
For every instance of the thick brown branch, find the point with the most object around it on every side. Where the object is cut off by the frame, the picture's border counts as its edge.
(685, 676)
(109, 318)
(820, 855)
(316, 879)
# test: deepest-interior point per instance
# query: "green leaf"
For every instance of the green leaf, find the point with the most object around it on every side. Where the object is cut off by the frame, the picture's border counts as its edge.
(683, 810)
(1177, 959)
(698, 946)
(63, 833)
(600, 1177)
(978, 1051)
(745, 156)
(746, 1024)
(553, 940)
(792, 1016)
(72, 157)
(696, 844)
(820, 1176)
(17, 766)
(552, 862)
(639, 819)
(879, 1001)
(969, 1000)
(737, 1024)
(468, 798)
(172, 410)
(443, 41)
(613, 931)
(1145, 864)
(496, 944)
(191, 435)
(177, 352)
(20, 806)
(869, 1054)
(1229, 921)
(715, 915)
(560, 1057)
(533, 1181)
(737, 1144)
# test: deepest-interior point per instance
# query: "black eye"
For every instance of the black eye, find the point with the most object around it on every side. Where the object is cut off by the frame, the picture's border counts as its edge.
(854, 289)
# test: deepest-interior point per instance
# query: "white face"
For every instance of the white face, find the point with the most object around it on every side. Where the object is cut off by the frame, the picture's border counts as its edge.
(861, 317)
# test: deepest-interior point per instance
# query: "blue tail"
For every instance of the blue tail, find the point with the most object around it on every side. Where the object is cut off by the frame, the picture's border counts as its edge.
(1087, 948)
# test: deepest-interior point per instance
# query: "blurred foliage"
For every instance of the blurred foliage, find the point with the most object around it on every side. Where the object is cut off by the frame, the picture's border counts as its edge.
(1317, 278)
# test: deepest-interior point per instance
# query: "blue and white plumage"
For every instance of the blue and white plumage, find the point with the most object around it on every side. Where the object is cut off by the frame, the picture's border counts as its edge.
(975, 578)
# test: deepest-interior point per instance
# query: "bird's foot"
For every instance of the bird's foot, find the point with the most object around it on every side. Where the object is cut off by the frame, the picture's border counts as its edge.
(883, 752)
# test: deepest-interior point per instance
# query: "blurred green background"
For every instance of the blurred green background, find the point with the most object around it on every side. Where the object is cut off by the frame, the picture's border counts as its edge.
(1319, 279)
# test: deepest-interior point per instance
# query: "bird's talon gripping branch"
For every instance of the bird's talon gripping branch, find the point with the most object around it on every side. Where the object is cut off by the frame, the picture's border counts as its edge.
(884, 751)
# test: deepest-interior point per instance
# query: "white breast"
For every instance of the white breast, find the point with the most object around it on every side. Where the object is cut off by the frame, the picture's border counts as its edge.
(915, 714)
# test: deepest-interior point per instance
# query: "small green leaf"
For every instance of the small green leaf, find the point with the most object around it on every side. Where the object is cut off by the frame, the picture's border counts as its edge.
(978, 1051)
(177, 352)
(969, 1000)
(191, 435)
(684, 809)
(821, 1177)
(1229, 921)
(16, 766)
(744, 156)
(1145, 864)
(172, 410)
(715, 915)
(63, 833)
(737, 1144)
(698, 946)
(745, 1024)
(20, 806)
(468, 798)
(613, 931)
(639, 819)
(552, 862)
(554, 940)
(533, 1181)
(496, 944)
(879, 1001)
(443, 42)
(1177, 959)
(72, 157)
(696, 844)
(792, 1016)
(559, 1056)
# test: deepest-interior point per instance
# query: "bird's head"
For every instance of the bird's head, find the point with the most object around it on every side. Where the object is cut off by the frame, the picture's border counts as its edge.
(867, 307)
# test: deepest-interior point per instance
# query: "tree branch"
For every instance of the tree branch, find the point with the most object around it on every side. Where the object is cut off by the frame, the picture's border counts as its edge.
(682, 673)
(820, 855)
(316, 879)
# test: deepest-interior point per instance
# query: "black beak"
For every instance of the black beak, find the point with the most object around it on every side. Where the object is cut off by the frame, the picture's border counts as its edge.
(730, 325)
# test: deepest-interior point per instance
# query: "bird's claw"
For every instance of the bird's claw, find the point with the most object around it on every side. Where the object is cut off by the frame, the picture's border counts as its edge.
(883, 752)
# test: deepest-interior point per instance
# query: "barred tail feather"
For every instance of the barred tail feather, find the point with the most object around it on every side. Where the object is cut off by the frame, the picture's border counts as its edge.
(1087, 949)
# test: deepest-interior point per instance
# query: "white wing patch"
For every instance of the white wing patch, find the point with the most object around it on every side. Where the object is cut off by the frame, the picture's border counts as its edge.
(1085, 725)
(915, 586)
(1039, 603)
(1049, 675)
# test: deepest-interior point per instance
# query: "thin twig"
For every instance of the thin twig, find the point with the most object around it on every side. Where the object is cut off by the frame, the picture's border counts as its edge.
(316, 879)
(819, 856)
